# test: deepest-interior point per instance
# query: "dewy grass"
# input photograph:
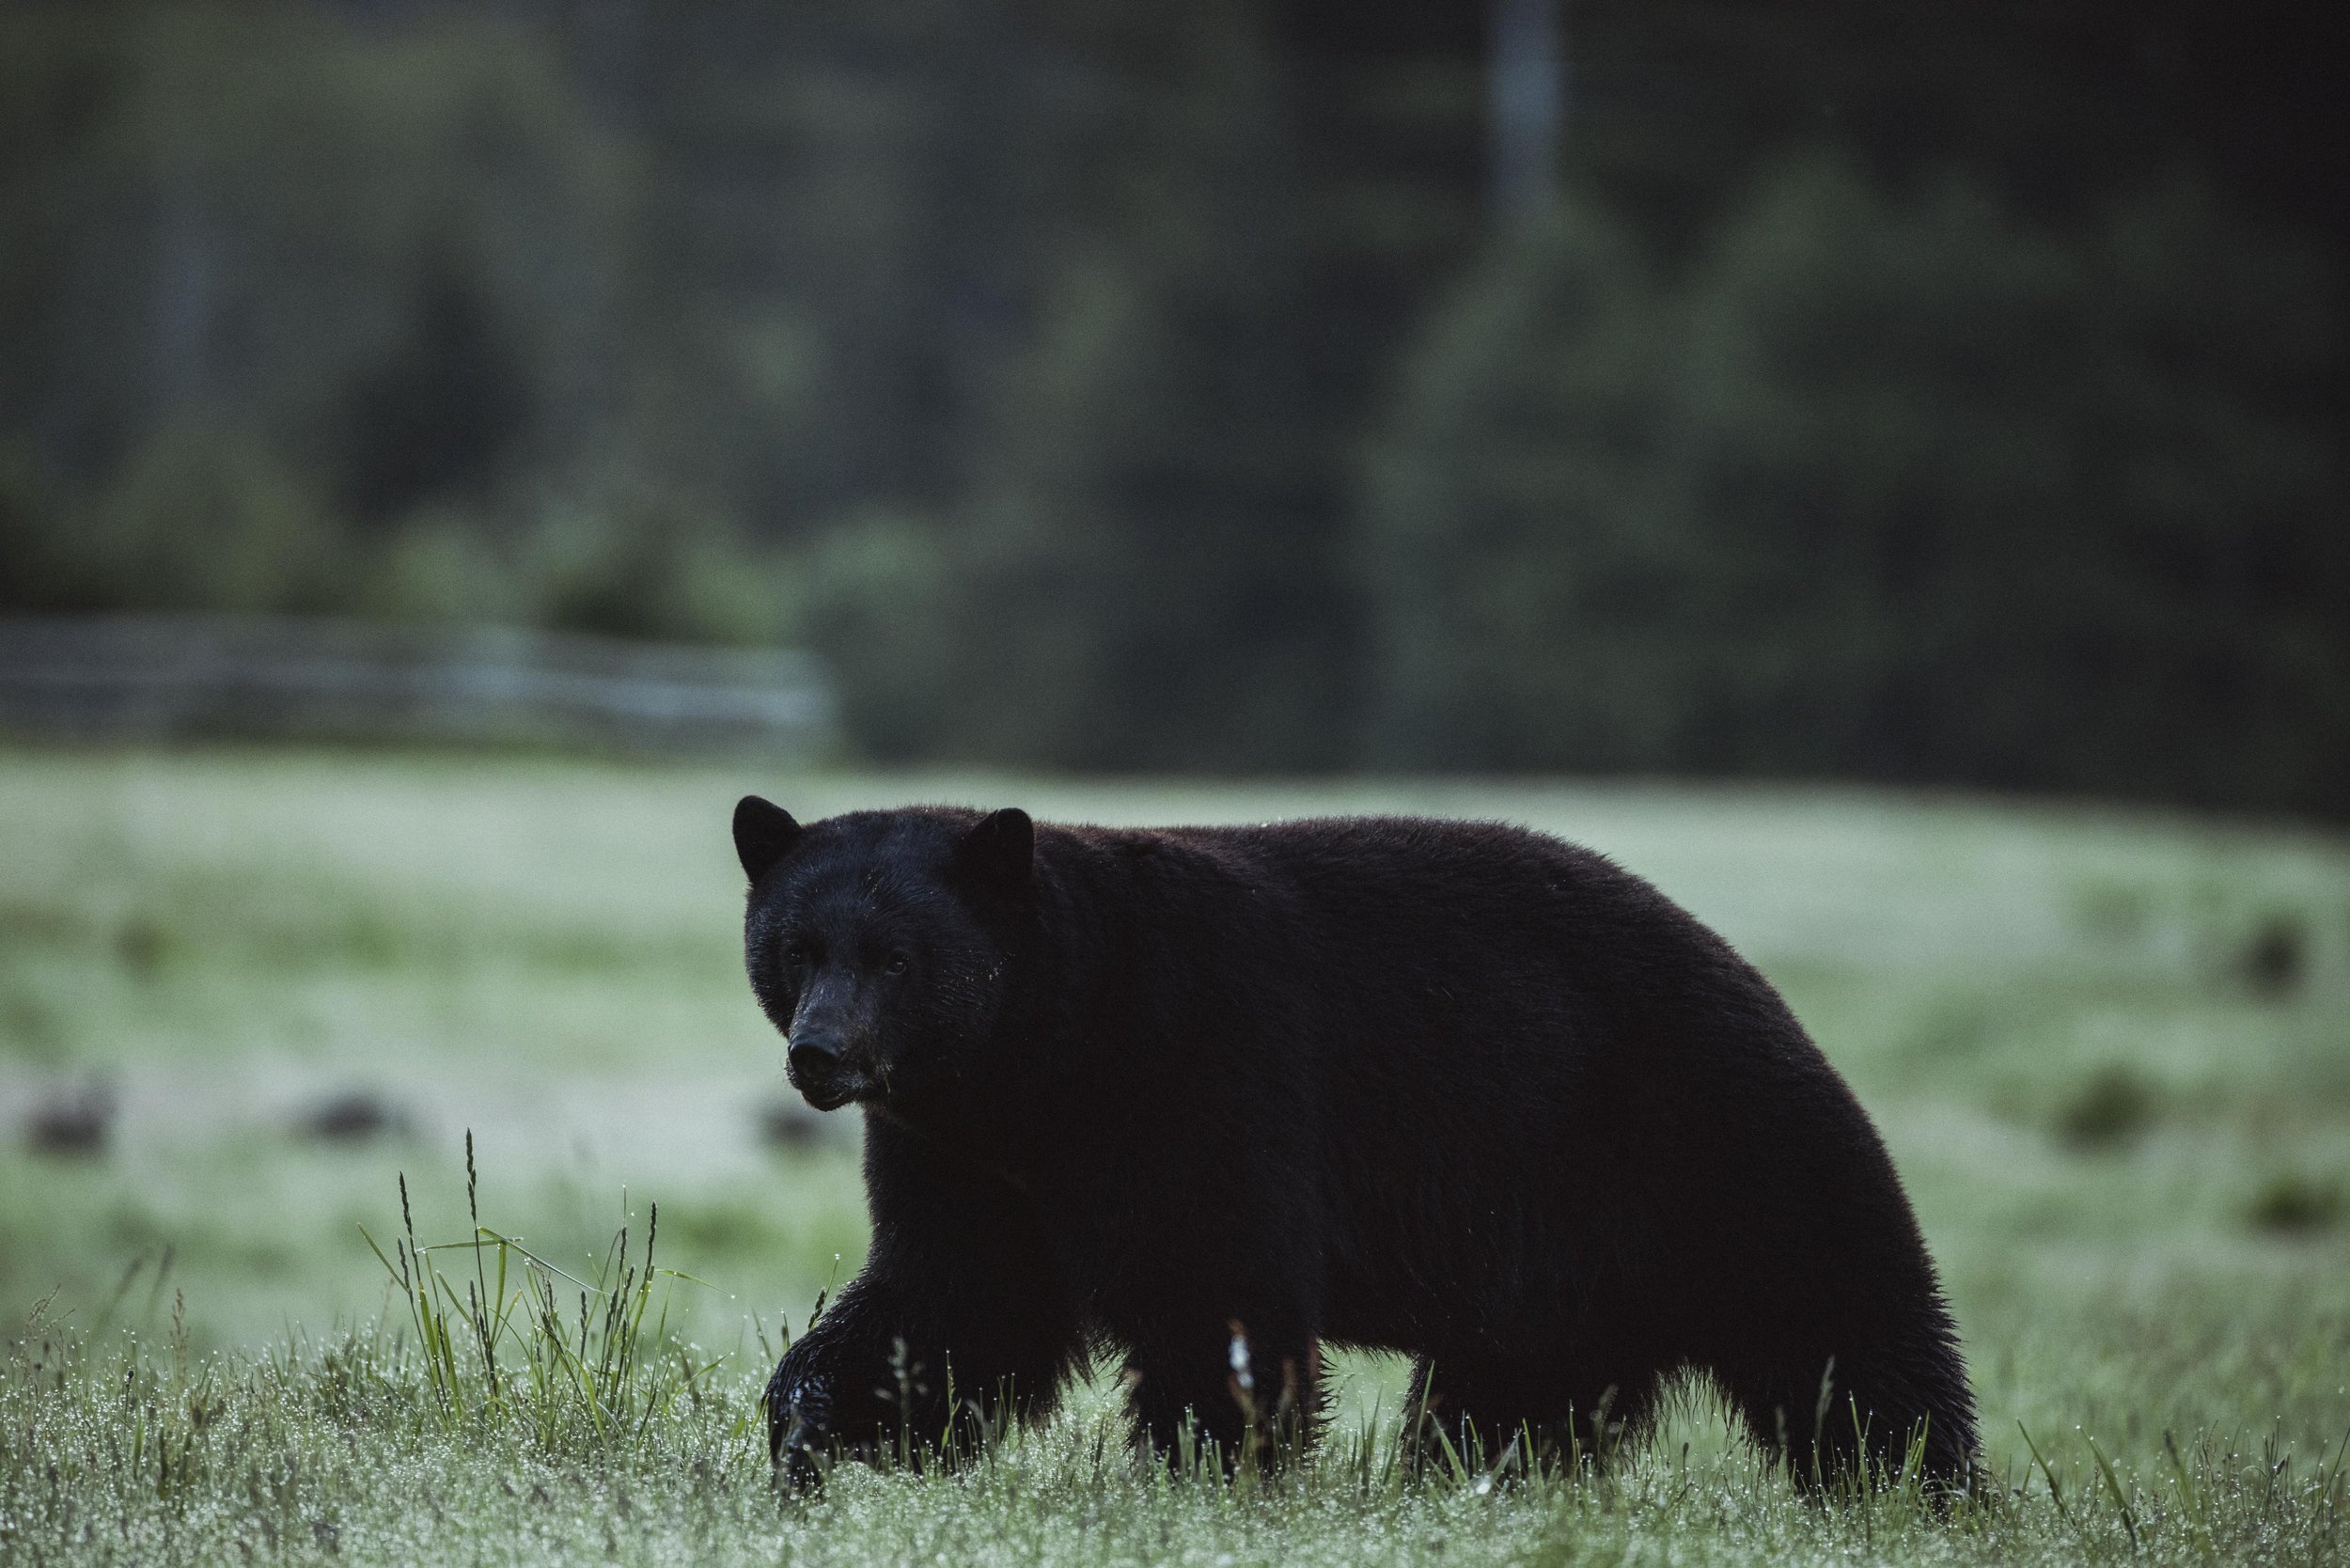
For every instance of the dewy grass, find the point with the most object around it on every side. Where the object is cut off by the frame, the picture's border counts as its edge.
(509, 1409)
(117, 1452)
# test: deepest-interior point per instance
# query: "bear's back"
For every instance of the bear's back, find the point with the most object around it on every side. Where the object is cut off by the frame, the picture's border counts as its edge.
(1481, 1018)
(1374, 911)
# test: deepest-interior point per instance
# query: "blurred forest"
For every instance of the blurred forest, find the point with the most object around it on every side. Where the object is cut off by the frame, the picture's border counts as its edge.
(1931, 394)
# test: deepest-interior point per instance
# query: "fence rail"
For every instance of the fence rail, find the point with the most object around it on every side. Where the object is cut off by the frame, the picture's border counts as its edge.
(154, 676)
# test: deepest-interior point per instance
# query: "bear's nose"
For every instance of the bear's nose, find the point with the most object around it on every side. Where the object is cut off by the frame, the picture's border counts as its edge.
(813, 1055)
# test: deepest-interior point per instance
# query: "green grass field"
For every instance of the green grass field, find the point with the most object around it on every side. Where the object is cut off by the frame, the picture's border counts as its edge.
(2111, 1052)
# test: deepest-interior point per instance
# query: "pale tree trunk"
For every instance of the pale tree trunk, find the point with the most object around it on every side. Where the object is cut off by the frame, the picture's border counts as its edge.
(1527, 104)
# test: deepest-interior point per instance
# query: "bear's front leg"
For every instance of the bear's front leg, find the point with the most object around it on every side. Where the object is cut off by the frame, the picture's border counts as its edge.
(1214, 1291)
(957, 1325)
(1235, 1391)
(892, 1374)
(852, 1384)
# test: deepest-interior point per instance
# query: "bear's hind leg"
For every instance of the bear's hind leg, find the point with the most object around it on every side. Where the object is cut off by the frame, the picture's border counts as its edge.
(1856, 1417)
(1482, 1411)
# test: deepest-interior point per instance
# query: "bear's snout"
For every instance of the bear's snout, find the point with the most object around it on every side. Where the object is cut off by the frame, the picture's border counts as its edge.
(830, 1053)
(818, 1065)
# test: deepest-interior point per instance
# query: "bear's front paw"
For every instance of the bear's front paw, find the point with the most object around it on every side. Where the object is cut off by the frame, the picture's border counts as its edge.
(799, 1425)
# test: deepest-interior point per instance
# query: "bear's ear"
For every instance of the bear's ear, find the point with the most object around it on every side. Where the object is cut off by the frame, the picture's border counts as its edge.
(999, 854)
(763, 834)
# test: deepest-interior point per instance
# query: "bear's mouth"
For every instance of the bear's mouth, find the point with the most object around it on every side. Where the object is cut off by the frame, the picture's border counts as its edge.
(831, 1096)
(829, 1090)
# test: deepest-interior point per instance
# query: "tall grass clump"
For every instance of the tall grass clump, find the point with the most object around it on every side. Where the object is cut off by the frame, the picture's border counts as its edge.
(506, 1339)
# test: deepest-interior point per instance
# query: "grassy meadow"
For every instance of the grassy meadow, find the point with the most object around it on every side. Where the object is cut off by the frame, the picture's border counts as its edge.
(244, 992)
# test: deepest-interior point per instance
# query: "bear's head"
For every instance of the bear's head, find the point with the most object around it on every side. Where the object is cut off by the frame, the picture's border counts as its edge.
(878, 942)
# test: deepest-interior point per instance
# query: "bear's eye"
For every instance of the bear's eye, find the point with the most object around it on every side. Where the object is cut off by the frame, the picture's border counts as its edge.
(896, 964)
(796, 954)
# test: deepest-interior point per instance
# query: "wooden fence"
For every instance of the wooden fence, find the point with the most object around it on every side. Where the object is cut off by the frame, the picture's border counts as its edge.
(166, 677)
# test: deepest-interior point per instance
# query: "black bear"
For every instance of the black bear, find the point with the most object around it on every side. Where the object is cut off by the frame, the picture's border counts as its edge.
(1208, 1099)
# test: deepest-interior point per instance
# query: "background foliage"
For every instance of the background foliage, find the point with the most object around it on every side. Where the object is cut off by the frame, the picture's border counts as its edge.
(1905, 394)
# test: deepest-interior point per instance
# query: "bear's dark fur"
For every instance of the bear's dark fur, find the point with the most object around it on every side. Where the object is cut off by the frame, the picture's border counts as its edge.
(1456, 1090)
